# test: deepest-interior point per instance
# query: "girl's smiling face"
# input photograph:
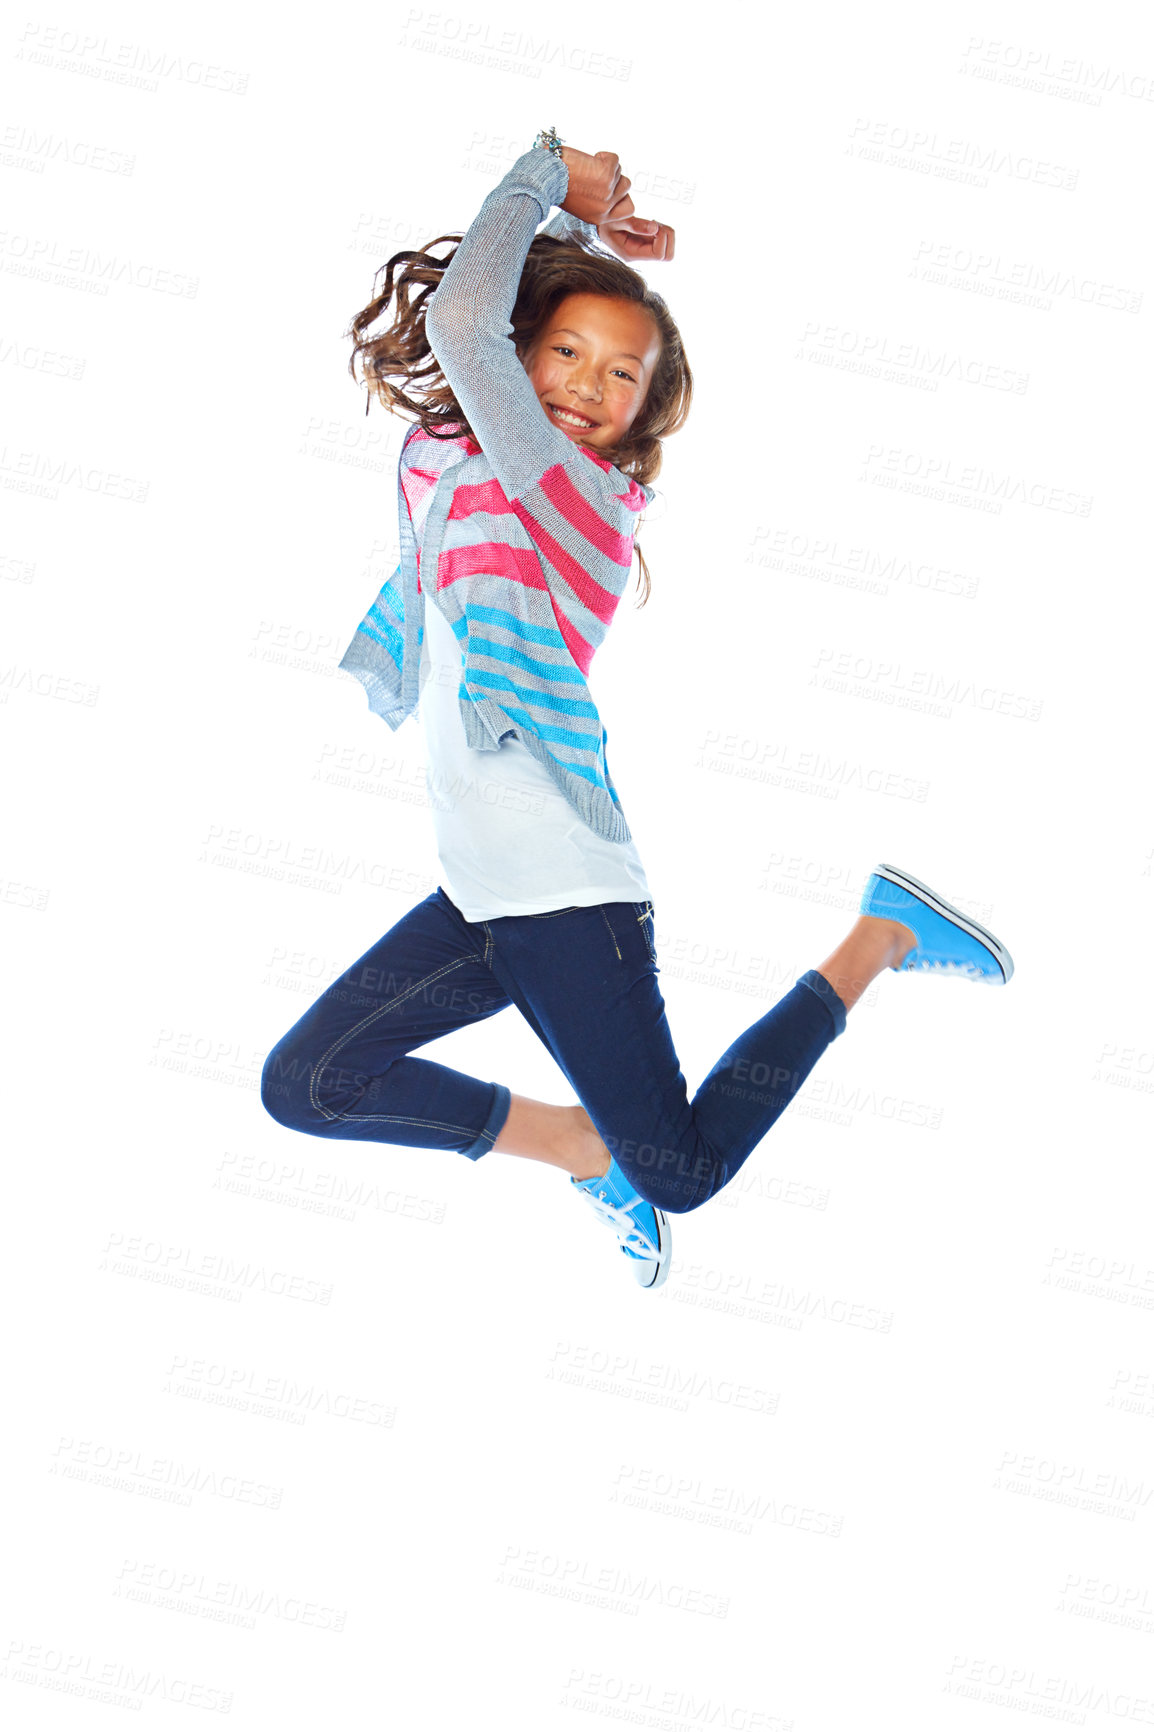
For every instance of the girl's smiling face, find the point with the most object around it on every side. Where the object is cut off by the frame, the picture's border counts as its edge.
(591, 366)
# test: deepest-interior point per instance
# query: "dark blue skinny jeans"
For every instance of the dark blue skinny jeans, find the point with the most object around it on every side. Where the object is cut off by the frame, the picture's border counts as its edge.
(585, 979)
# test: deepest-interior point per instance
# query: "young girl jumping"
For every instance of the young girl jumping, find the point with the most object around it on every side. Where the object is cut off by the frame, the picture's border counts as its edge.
(544, 374)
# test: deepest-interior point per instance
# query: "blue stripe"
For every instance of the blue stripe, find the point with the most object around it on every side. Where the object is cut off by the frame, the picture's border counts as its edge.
(385, 607)
(550, 672)
(387, 635)
(390, 593)
(564, 736)
(567, 706)
(593, 775)
(543, 634)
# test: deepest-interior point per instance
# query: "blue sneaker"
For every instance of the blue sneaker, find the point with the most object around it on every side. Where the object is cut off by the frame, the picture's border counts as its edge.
(948, 941)
(641, 1228)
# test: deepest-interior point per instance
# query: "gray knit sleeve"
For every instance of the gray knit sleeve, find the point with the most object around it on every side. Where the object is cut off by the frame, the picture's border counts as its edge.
(567, 227)
(469, 329)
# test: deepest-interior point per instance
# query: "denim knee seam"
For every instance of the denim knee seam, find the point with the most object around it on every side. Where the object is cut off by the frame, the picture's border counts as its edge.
(381, 1010)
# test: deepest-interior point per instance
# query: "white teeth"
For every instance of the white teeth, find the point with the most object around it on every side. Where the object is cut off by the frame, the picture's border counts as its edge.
(574, 420)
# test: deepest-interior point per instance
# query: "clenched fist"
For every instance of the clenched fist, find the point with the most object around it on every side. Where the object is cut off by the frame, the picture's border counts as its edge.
(637, 240)
(599, 194)
(597, 188)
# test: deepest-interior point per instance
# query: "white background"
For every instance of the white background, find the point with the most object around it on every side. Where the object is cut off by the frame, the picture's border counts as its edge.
(351, 1435)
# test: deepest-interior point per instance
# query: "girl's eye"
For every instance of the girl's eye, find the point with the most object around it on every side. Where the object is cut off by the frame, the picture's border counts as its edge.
(564, 349)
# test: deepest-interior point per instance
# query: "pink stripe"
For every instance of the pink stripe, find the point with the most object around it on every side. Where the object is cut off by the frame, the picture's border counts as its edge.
(483, 496)
(579, 649)
(518, 564)
(589, 592)
(472, 449)
(418, 437)
(634, 499)
(558, 488)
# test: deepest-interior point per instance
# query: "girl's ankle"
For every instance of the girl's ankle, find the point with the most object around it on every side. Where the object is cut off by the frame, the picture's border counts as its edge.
(593, 1158)
(901, 939)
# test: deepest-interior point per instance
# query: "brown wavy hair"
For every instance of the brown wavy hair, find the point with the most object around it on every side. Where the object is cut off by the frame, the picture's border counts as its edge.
(400, 369)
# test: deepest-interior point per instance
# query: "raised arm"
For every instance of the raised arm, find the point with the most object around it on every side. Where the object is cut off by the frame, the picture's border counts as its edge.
(637, 240)
(469, 328)
(565, 226)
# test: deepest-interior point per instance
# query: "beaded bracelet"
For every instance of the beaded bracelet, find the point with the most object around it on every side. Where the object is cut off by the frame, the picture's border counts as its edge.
(548, 140)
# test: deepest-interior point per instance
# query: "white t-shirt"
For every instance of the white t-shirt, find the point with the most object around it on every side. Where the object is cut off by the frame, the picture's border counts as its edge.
(508, 840)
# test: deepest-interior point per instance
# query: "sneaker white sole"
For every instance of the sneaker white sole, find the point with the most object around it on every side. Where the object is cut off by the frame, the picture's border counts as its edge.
(659, 1267)
(907, 881)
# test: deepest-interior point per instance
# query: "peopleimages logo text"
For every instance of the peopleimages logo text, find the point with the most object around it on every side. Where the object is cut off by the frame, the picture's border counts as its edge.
(478, 36)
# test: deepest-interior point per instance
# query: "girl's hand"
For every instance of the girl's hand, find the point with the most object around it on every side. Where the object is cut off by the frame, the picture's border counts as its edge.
(637, 239)
(597, 188)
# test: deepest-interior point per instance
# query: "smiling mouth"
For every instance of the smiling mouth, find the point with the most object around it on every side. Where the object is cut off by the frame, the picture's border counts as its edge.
(571, 417)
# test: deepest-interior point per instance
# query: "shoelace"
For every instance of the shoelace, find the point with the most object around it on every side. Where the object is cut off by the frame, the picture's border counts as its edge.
(633, 1240)
(970, 969)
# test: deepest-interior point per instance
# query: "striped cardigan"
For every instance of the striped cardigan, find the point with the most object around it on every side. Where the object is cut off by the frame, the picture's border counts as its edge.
(528, 543)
